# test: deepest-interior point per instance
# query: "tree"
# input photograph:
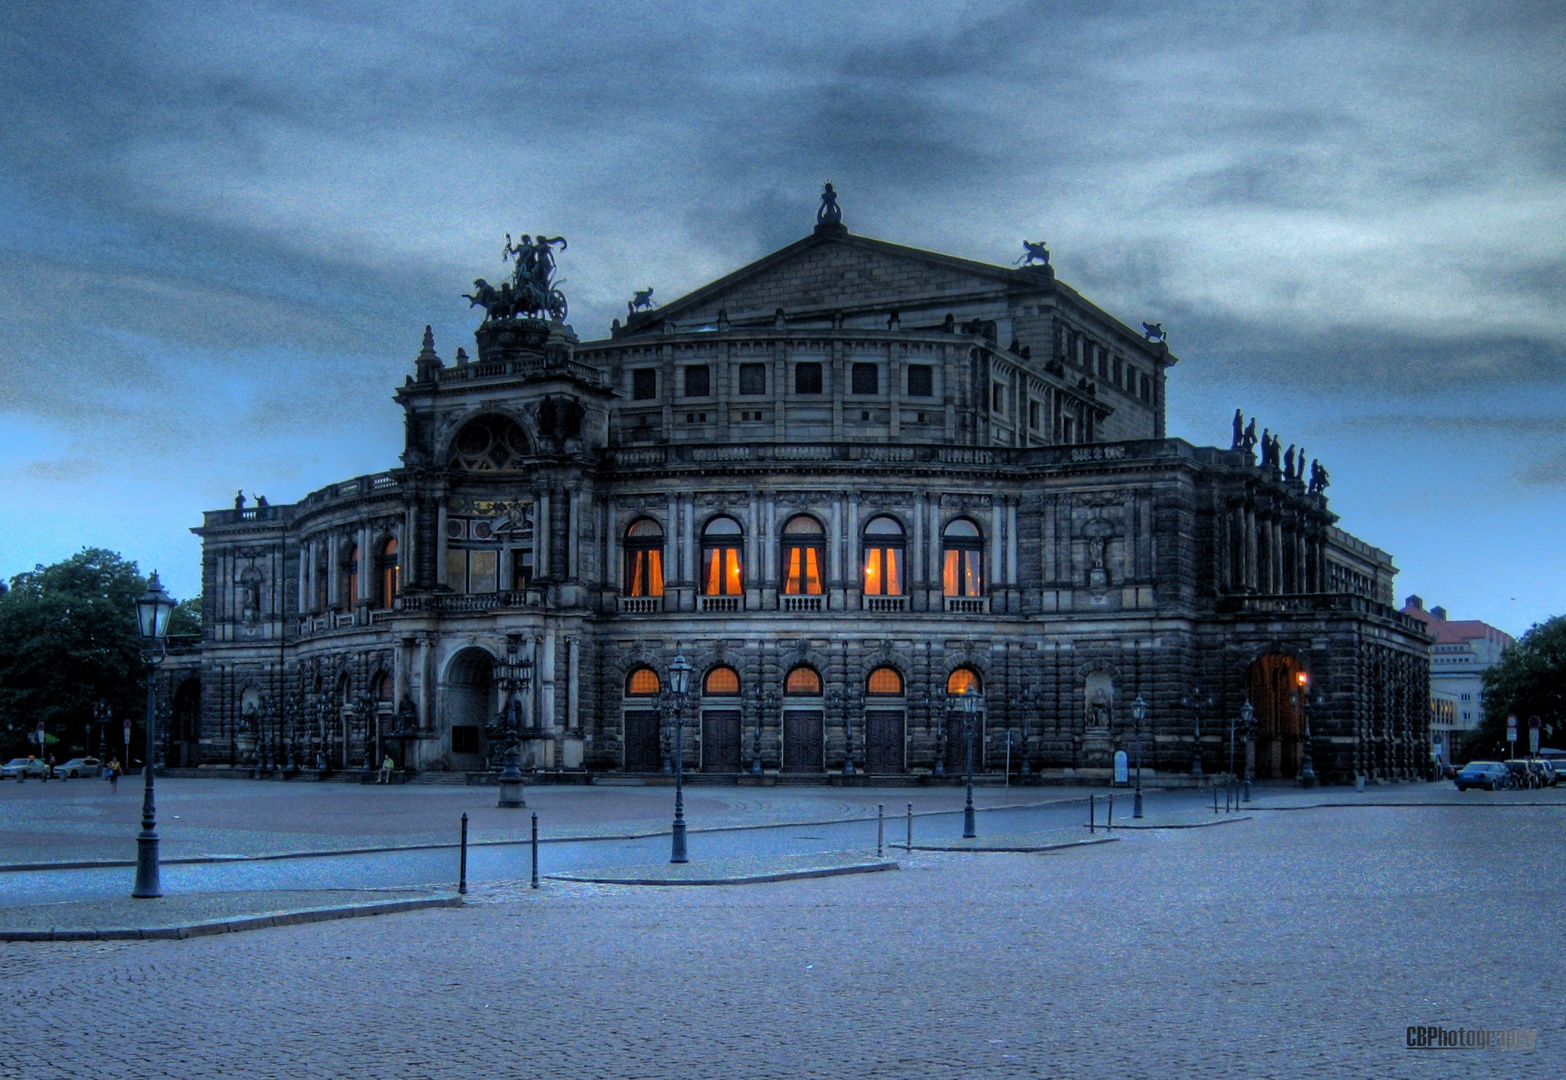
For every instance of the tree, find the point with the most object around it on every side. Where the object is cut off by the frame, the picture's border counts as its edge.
(68, 639)
(1530, 680)
(186, 618)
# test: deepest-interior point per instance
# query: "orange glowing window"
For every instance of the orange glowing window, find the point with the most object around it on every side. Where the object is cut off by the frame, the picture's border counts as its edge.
(644, 559)
(721, 680)
(962, 568)
(391, 579)
(962, 681)
(804, 544)
(804, 682)
(720, 572)
(884, 545)
(643, 683)
(386, 688)
(885, 680)
(351, 578)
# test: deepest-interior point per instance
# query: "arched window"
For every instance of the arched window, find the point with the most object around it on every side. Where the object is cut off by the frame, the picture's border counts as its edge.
(322, 559)
(964, 680)
(884, 544)
(345, 690)
(644, 558)
(489, 444)
(885, 681)
(384, 687)
(721, 682)
(391, 576)
(642, 682)
(804, 546)
(720, 558)
(350, 577)
(802, 682)
(962, 570)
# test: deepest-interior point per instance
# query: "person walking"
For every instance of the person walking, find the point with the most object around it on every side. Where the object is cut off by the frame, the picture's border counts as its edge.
(49, 769)
(386, 771)
(114, 776)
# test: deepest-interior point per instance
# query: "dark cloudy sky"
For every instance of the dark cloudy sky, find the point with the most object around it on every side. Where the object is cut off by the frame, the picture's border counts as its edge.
(223, 226)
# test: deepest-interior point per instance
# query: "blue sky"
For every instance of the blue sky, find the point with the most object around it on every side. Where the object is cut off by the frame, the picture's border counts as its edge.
(223, 227)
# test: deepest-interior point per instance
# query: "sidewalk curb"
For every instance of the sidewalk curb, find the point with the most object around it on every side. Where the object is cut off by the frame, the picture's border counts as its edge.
(1022, 848)
(742, 879)
(1224, 820)
(232, 925)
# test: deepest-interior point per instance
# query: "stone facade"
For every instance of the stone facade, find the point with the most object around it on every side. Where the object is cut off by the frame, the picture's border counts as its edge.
(842, 482)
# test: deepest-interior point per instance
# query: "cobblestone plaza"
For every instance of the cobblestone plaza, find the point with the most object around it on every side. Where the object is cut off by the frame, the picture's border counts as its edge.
(1300, 942)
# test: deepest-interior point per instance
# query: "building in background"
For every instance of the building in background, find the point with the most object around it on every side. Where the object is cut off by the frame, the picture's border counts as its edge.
(1464, 650)
(848, 483)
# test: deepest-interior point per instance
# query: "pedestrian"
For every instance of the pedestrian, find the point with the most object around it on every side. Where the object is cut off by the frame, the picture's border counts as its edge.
(114, 776)
(49, 769)
(386, 771)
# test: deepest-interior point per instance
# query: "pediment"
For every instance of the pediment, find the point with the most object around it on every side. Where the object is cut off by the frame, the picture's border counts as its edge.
(826, 272)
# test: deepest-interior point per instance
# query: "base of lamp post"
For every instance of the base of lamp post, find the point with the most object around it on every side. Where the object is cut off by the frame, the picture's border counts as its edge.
(1136, 803)
(147, 886)
(677, 848)
(511, 794)
(1245, 790)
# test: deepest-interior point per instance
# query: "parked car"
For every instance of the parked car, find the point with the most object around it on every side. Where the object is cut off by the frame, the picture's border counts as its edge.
(77, 766)
(23, 767)
(1489, 775)
(1522, 776)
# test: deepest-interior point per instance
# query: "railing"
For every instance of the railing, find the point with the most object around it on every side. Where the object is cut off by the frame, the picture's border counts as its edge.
(968, 605)
(915, 453)
(1312, 603)
(640, 605)
(720, 603)
(802, 603)
(344, 618)
(468, 604)
(886, 603)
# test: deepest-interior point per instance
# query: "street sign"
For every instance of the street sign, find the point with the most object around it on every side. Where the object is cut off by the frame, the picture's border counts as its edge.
(1533, 723)
(1511, 725)
(1533, 740)
(1122, 768)
(127, 737)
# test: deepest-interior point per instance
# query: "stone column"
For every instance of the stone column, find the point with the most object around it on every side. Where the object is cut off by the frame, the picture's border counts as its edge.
(543, 537)
(426, 685)
(573, 687)
(440, 544)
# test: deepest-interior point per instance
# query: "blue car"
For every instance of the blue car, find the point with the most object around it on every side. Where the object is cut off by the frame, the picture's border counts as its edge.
(1486, 774)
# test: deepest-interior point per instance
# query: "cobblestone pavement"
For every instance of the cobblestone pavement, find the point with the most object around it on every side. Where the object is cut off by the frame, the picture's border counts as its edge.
(1291, 945)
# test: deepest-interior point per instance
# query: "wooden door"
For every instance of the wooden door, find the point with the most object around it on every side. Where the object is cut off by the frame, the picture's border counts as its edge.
(802, 741)
(883, 741)
(957, 745)
(720, 740)
(641, 742)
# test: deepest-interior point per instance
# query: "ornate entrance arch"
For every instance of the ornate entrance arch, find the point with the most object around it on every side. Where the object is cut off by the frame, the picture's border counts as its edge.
(468, 693)
(1278, 728)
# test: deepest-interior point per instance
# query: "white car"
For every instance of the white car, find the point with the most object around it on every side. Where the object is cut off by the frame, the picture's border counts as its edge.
(22, 767)
(77, 766)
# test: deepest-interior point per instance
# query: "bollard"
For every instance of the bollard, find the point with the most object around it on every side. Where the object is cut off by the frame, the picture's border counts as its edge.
(1215, 798)
(535, 849)
(1109, 818)
(462, 880)
(880, 829)
(1091, 804)
(910, 827)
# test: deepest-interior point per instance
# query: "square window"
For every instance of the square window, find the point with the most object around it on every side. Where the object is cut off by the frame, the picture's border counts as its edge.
(921, 380)
(698, 381)
(1119, 366)
(864, 414)
(1033, 415)
(807, 378)
(1147, 388)
(644, 384)
(997, 398)
(753, 378)
(866, 379)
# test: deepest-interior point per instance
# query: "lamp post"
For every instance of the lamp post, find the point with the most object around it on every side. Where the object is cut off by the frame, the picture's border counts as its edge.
(939, 723)
(970, 711)
(1030, 703)
(103, 716)
(516, 676)
(1138, 714)
(153, 609)
(851, 704)
(1302, 702)
(1248, 729)
(679, 683)
(834, 704)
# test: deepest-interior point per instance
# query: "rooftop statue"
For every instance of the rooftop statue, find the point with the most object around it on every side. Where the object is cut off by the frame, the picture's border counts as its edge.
(1154, 332)
(1034, 252)
(1238, 441)
(1318, 478)
(641, 300)
(829, 212)
(532, 289)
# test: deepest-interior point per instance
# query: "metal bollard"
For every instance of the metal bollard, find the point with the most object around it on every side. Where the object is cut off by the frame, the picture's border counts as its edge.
(462, 880)
(910, 827)
(880, 829)
(535, 849)
(1091, 805)
(1109, 818)
(1215, 798)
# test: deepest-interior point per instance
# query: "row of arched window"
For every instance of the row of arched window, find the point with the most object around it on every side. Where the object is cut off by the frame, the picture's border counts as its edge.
(802, 680)
(386, 581)
(803, 550)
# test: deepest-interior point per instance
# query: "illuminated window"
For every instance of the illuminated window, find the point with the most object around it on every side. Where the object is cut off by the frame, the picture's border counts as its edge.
(386, 687)
(962, 569)
(803, 682)
(644, 559)
(721, 681)
(720, 558)
(643, 682)
(391, 576)
(964, 680)
(472, 571)
(884, 544)
(804, 546)
(885, 681)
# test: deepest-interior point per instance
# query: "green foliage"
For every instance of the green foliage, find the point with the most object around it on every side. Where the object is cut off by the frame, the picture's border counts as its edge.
(1529, 681)
(186, 618)
(68, 638)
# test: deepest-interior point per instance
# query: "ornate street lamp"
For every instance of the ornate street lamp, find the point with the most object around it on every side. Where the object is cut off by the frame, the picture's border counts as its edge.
(1197, 701)
(1302, 702)
(516, 676)
(102, 715)
(970, 720)
(679, 684)
(153, 609)
(1138, 714)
